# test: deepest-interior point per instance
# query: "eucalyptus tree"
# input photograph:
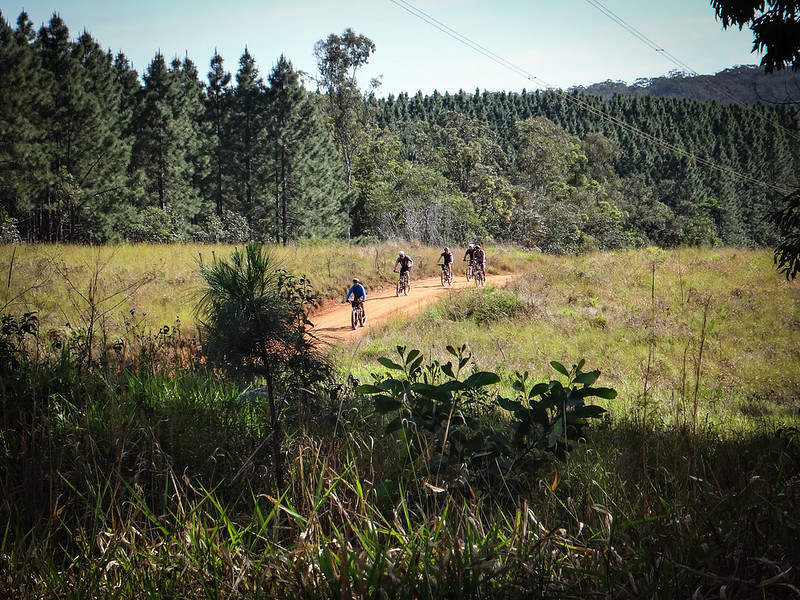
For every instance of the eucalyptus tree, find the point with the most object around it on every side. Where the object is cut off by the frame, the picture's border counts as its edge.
(303, 165)
(338, 59)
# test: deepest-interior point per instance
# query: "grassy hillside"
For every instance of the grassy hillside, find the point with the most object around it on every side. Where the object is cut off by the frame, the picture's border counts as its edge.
(113, 481)
(161, 283)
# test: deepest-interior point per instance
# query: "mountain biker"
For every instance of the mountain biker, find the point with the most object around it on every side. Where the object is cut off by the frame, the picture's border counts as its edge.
(405, 263)
(359, 293)
(447, 260)
(469, 252)
(479, 257)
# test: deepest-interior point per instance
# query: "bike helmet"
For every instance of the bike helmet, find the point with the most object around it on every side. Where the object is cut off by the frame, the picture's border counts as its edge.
(446, 249)
(472, 245)
(477, 245)
(355, 280)
(402, 253)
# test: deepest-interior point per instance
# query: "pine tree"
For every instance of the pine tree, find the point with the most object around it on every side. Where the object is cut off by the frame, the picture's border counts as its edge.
(85, 137)
(248, 141)
(218, 113)
(304, 168)
(168, 142)
(23, 160)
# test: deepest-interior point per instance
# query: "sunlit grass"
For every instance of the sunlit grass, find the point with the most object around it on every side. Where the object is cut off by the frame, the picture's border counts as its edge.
(657, 324)
(688, 487)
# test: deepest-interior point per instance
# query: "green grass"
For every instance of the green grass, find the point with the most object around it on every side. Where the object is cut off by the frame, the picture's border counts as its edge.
(114, 481)
(161, 283)
(608, 309)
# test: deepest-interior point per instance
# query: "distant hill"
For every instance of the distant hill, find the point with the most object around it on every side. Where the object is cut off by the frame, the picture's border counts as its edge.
(743, 83)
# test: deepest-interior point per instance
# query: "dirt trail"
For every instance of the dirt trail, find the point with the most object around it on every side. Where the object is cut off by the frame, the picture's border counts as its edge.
(333, 325)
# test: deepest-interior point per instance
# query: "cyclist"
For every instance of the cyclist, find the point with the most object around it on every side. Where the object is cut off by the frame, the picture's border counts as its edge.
(479, 258)
(405, 262)
(447, 260)
(359, 293)
(469, 252)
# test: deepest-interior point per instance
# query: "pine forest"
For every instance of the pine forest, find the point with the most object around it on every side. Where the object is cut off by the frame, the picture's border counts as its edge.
(92, 152)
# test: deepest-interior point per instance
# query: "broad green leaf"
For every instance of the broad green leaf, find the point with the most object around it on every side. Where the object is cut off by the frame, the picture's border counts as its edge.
(560, 368)
(389, 364)
(412, 355)
(423, 389)
(587, 378)
(605, 393)
(447, 369)
(367, 389)
(552, 439)
(510, 405)
(415, 365)
(452, 351)
(393, 425)
(454, 385)
(480, 379)
(386, 404)
(590, 411)
(539, 389)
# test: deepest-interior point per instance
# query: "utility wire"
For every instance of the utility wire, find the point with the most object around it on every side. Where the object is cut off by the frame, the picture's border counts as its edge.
(463, 39)
(686, 68)
(584, 105)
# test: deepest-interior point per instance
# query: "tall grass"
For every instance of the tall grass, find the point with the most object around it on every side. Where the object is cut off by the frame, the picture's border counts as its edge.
(145, 476)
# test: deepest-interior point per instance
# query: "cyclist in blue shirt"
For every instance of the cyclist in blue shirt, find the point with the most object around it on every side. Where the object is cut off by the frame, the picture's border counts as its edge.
(359, 293)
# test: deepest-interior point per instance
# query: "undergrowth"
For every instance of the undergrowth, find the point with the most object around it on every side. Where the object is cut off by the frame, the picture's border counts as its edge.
(143, 473)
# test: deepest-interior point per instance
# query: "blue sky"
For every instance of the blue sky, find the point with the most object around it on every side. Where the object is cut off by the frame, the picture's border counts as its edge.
(549, 44)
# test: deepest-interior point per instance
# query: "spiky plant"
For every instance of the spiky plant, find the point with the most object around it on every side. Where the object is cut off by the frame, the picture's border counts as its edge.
(253, 317)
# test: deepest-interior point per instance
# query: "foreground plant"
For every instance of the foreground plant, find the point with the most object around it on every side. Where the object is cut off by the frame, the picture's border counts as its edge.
(254, 319)
(458, 428)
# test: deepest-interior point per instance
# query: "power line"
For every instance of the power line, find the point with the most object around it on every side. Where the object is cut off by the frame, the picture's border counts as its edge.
(584, 105)
(686, 68)
(463, 39)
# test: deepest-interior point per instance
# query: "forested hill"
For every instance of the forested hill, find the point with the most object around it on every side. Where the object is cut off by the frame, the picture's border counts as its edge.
(92, 151)
(747, 84)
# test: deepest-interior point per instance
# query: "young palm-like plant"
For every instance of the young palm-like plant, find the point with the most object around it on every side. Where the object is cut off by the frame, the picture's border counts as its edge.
(254, 323)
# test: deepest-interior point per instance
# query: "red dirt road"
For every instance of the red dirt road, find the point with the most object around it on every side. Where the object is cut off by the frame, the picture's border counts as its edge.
(333, 325)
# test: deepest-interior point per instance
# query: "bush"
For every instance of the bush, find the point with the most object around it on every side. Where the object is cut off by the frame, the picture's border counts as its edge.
(487, 306)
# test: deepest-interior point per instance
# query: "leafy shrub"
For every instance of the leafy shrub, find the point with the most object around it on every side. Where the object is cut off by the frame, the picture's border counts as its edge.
(9, 231)
(448, 426)
(154, 226)
(230, 228)
(490, 305)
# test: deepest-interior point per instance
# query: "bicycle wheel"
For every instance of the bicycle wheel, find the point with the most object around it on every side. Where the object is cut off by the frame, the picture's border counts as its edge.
(362, 317)
(399, 286)
(444, 277)
(354, 318)
(469, 272)
(406, 286)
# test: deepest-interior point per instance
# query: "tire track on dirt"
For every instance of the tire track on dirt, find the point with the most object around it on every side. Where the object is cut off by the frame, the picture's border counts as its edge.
(332, 326)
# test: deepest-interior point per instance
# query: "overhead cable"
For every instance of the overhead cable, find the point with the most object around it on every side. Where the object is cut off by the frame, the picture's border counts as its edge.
(577, 101)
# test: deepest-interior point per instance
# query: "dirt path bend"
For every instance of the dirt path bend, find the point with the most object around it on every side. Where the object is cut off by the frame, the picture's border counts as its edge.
(332, 326)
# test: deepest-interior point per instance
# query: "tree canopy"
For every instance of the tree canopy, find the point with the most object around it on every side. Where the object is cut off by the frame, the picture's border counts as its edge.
(775, 25)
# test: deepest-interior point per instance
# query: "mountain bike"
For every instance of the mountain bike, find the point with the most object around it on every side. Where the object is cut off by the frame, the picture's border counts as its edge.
(447, 275)
(469, 270)
(357, 316)
(480, 275)
(402, 284)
